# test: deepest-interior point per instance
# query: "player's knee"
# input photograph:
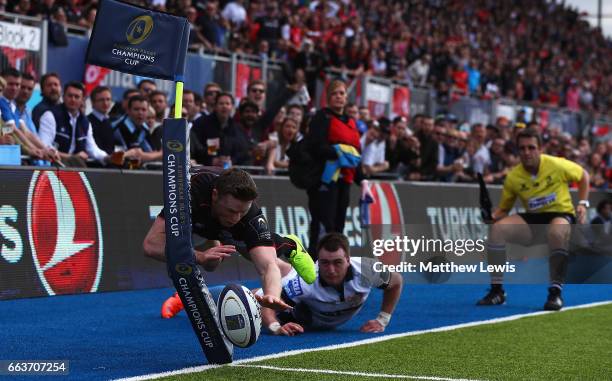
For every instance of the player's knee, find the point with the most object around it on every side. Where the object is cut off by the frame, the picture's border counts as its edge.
(499, 232)
(558, 234)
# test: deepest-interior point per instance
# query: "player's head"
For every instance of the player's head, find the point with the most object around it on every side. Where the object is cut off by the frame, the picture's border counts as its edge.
(529, 144)
(232, 196)
(334, 260)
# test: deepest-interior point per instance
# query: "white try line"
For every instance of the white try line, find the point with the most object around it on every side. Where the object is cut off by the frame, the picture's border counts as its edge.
(362, 342)
(359, 374)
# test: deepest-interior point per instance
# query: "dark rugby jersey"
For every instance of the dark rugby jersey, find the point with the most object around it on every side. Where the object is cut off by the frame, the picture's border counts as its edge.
(252, 230)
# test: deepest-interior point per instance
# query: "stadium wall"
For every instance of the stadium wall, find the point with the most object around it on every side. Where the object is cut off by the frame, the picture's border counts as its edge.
(68, 231)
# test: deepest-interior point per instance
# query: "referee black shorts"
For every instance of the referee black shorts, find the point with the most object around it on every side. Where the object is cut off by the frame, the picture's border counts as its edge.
(538, 224)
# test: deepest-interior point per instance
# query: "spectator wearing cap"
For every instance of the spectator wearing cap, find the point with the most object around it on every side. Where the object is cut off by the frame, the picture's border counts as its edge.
(373, 151)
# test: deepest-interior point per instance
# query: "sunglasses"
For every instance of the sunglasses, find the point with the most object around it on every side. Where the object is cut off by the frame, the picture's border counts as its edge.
(256, 90)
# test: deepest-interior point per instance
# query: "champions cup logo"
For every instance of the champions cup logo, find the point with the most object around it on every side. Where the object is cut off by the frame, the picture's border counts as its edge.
(183, 269)
(175, 145)
(139, 29)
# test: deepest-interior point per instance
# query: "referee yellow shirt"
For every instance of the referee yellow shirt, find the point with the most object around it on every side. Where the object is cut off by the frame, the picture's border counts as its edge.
(548, 191)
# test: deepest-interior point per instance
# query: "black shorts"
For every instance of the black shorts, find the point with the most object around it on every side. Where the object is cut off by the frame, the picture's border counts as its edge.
(539, 223)
(546, 218)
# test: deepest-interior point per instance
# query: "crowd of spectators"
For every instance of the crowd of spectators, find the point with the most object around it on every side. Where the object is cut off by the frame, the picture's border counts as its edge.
(528, 50)
(538, 51)
(253, 132)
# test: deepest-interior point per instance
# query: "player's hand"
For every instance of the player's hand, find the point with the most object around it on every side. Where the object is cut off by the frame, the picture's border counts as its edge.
(581, 212)
(290, 329)
(270, 301)
(372, 326)
(212, 257)
(366, 192)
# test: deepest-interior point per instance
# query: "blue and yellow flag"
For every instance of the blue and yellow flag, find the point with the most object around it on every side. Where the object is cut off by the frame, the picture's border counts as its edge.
(348, 157)
(139, 41)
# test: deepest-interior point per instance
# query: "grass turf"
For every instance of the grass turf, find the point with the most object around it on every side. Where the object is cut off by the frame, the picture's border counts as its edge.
(570, 345)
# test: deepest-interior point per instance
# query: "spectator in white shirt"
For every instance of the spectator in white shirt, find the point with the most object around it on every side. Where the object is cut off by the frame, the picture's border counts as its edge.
(373, 151)
(68, 129)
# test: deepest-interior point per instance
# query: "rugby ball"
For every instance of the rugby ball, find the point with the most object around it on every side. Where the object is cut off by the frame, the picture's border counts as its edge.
(239, 314)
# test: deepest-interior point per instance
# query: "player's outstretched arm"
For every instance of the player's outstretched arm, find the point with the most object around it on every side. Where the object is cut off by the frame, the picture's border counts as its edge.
(264, 259)
(154, 245)
(391, 296)
(288, 329)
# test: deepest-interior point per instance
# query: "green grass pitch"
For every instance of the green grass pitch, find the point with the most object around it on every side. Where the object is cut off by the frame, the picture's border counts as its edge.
(568, 345)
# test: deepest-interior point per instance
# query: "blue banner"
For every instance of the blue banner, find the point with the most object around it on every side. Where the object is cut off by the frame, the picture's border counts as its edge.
(182, 268)
(139, 41)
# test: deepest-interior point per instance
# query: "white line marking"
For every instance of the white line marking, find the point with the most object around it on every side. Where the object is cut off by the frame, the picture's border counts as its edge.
(361, 374)
(363, 342)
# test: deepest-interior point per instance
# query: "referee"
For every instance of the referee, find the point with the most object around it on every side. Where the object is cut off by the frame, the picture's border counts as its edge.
(541, 183)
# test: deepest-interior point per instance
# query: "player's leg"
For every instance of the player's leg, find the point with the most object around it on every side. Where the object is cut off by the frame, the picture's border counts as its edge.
(558, 237)
(511, 229)
(171, 306)
(290, 246)
(322, 204)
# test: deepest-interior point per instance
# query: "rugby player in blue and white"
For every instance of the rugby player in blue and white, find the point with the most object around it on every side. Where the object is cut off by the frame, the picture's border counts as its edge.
(339, 292)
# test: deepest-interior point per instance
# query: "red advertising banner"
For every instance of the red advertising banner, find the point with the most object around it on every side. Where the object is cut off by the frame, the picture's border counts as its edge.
(244, 75)
(401, 102)
(94, 75)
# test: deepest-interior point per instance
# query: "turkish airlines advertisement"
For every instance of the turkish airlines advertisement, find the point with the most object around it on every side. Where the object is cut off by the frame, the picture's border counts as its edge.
(67, 232)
